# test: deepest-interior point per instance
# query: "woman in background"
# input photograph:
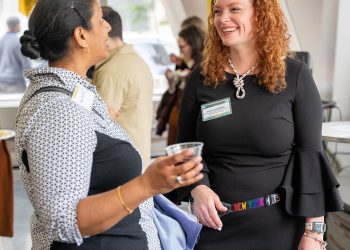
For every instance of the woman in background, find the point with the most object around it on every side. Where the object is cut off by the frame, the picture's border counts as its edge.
(191, 20)
(191, 42)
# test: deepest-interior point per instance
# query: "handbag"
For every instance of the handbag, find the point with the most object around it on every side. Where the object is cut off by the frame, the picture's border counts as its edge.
(177, 229)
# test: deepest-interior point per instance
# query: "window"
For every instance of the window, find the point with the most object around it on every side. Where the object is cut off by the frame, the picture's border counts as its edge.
(145, 26)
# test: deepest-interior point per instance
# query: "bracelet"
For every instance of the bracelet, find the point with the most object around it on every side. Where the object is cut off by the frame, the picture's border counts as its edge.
(323, 243)
(122, 201)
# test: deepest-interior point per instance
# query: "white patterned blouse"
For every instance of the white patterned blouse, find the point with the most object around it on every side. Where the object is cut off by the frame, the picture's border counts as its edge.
(59, 138)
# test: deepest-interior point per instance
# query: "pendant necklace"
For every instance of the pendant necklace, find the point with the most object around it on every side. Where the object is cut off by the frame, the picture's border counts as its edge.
(238, 81)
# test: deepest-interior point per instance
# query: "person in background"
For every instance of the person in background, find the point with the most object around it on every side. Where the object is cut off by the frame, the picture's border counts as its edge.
(191, 41)
(192, 20)
(126, 85)
(258, 113)
(12, 62)
(80, 169)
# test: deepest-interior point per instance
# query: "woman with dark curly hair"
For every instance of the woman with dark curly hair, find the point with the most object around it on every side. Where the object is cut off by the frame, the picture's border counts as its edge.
(267, 183)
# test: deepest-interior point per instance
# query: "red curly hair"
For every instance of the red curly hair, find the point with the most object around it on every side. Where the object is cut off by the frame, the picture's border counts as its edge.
(272, 45)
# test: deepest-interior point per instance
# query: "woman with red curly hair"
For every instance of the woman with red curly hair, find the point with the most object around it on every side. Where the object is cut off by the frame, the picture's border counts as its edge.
(267, 183)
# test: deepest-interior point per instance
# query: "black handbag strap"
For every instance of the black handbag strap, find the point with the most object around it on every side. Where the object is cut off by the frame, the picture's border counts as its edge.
(51, 89)
(57, 89)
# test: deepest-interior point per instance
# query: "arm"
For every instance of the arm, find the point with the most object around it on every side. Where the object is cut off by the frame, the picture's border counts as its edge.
(307, 115)
(312, 240)
(60, 160)
(206, 201)
(97, 213)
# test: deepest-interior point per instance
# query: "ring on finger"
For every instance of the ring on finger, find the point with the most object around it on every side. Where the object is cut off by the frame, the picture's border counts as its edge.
(179, 179)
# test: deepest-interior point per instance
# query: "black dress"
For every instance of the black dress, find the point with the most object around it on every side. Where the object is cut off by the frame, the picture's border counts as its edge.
(270, 143)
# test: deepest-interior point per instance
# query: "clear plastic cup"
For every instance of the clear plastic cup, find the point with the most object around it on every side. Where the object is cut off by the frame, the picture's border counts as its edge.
(179, 147)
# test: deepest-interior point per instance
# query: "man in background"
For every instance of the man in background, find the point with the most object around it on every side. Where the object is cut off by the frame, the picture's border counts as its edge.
(12, 62)
(125, 83)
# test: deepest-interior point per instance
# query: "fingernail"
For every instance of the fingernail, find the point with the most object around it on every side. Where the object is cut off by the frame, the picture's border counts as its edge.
(219, 228)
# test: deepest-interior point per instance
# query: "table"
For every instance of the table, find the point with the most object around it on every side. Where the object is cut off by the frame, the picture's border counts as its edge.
(336, 131)
(10, 100)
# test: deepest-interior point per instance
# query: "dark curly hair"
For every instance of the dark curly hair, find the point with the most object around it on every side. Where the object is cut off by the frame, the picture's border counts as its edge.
(195, 38)
(51, 25)
(272, 45)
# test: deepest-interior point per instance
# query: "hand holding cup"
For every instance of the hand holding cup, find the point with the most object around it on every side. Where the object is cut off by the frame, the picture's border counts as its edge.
(181, 168)
(196, 147)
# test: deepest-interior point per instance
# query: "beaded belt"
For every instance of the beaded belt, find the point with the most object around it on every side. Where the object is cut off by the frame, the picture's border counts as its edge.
(266, 201)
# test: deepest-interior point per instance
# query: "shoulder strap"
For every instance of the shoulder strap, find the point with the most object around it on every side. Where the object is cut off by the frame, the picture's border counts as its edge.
(57, 89)
(51, 89)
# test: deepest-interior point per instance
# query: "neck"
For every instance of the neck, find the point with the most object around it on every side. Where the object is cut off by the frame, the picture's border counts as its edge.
(114, 42)
(72, 64)
(243, 60)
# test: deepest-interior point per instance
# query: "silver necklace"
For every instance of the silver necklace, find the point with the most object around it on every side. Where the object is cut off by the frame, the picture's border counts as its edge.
(238, 81)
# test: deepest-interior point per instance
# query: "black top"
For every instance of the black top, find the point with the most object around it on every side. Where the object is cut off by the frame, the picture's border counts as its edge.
(270, 143)
(265, 131)
(108, 172)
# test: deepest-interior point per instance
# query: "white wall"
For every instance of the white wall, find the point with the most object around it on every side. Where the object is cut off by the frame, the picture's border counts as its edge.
(196, 7)
(175, 13)
(322, 27)
(307, 18)
(341, 91)
(10, 8)
(327, 47)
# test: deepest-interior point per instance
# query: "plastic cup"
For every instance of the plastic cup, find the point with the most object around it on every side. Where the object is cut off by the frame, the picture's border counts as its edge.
(179, 147)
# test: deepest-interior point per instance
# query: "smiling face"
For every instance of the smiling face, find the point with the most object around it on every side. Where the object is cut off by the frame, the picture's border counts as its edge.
(233, 20)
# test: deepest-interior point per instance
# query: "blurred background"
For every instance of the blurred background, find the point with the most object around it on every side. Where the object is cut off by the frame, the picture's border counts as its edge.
(319, 29)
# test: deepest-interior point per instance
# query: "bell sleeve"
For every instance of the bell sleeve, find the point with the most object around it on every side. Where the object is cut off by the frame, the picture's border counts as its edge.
(309, 184)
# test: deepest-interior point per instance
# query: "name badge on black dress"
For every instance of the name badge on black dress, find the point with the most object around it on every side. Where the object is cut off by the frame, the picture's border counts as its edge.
(216, 109)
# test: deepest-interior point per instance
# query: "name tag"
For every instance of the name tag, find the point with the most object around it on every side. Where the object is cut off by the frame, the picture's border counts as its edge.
(216, 109)
(83, 97)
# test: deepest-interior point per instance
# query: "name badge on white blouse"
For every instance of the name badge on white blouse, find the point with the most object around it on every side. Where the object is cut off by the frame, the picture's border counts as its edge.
(216, 109)
(83, 96)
